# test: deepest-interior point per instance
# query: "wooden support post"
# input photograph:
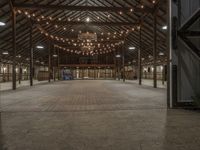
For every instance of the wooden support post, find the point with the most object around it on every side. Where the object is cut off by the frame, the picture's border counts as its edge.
(163, 75)
(94, 72)
(123, 62)
(105, 73)
(31, 57)
(115, 65)
(82, 73)
(139, 58)
(8, 76)
(49, 65)
(20, 73)
(58, 63)
(54, 73)
(14, 49)
(155, 52)
(119, 69)
(4, 80)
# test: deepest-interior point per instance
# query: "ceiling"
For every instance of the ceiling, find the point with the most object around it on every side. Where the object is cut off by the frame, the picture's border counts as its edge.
(116, 23)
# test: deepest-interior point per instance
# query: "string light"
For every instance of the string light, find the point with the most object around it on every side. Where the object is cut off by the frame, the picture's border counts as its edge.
(61, 39)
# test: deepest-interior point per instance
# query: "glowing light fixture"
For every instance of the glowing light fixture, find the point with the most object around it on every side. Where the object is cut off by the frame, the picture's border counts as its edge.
(131, 48)
(5, 53)
(40, 47)
(87, 19)
(164, 27)
(118, 56)
(161, 53)
(2, 23)
(55, 55)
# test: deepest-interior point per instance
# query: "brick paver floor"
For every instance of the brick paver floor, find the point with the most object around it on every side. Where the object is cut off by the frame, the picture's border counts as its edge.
(94, 115)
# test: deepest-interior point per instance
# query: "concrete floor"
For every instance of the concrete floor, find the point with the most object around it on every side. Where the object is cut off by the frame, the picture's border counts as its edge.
(8, 85)
(94, 115)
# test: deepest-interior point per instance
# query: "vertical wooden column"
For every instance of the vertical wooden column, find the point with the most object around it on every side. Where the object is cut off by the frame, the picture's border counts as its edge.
(115, 66)
(54, 64)
(139, 58)
(123, 61)
(163, 75)
(14, 49)
(119, 68)
(31, 56)
(3, 65)
(20, 73)
(155, 52)
(82, 73)
(8, 71)
(49, 64)
(58, 64)
(94, 73)
(105, 73)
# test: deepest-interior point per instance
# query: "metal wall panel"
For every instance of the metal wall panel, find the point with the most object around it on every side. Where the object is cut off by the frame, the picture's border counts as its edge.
(187, 62)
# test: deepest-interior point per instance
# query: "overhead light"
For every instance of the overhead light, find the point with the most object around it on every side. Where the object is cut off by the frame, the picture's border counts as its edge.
(164, 27)
(161, 53)
(40, 47)
(2, 23)
(131, 47)
(118, 56)
(18, 56)
(87, 19)
(5, 53)
(55, 55)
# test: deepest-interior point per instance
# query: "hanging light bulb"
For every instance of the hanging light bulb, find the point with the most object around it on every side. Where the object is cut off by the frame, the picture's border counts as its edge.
(87, 19)
(19, 11)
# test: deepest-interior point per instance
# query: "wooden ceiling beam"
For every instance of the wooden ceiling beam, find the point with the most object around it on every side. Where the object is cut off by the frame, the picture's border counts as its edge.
(89, 23)
(82, 8)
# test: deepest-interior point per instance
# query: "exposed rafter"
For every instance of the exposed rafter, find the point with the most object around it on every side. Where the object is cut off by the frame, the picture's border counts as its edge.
(81, 8)
(89, 23)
